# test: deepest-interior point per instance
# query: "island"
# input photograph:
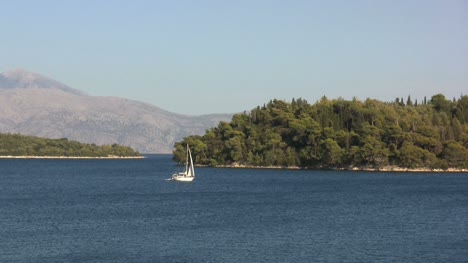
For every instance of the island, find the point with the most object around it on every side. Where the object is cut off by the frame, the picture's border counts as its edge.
(22, 146)
(401, 135)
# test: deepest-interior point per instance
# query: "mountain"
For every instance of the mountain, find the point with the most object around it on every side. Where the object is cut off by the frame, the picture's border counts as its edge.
(21, 79)
(32, 104)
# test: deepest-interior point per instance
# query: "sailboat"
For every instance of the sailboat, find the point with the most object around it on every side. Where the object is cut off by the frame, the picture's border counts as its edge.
(189, 174)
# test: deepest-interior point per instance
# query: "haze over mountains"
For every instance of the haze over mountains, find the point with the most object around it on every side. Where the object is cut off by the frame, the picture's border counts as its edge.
(31, 104)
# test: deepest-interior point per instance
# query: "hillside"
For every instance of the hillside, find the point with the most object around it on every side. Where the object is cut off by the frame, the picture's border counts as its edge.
(340, 134)
(20, 145)
(34, 105)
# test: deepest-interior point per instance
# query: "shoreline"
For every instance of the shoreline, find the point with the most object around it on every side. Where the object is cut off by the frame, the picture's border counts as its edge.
(355, 169)
(69, 157)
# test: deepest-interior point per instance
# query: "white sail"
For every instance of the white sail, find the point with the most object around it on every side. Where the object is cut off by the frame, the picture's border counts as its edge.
(190, 170)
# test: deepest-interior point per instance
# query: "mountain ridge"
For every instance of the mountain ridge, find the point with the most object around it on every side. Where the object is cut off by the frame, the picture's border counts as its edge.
(20, 78)
(35, 105)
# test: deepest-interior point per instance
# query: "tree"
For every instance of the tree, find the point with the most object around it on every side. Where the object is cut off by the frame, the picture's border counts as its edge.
(414, 157)
(440, 103)
(338, 133)
(409, 102)
(331, 153)
(455, 154)
(19, 145)
(374, 152)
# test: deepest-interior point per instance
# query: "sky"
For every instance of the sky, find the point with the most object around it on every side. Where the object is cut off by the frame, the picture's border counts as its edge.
(201, 57)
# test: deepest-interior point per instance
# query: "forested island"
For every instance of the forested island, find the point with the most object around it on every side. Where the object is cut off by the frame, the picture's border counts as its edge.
(339, 134)
(16, 145)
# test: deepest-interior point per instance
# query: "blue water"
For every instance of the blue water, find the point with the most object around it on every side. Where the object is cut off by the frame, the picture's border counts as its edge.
(125, 211)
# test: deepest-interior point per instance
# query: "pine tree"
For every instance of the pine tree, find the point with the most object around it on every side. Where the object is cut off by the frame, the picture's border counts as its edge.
(409, 102)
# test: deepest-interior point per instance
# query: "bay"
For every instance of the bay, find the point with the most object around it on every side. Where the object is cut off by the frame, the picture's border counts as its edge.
(125, 211)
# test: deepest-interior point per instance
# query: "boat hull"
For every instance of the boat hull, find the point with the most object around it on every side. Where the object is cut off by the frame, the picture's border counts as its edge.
(182, 178)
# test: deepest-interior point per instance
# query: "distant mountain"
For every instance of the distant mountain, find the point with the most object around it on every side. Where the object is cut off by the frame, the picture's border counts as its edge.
(31, 104)
(22, 79)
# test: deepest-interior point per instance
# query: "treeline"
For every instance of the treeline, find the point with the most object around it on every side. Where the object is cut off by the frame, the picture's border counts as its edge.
(21, 145)
(340, 133)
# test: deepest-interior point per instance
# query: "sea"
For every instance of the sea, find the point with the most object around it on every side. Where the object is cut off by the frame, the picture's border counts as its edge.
(127, 211)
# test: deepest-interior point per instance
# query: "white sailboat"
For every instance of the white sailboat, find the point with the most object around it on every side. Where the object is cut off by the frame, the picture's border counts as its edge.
(189, 174)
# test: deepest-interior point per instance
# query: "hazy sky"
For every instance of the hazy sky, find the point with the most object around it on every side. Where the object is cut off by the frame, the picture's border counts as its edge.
(196, 57)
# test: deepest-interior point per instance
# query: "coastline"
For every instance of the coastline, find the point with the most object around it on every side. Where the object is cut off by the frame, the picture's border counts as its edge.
(403, 169)
(354, 168)
(69, 157)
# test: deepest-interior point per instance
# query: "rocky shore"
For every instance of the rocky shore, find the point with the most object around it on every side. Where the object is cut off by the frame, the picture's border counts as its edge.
(354, 168)
(403, 169)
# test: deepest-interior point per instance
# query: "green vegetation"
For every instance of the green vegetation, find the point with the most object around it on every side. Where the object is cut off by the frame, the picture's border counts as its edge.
(20, 145)
(340, 133)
